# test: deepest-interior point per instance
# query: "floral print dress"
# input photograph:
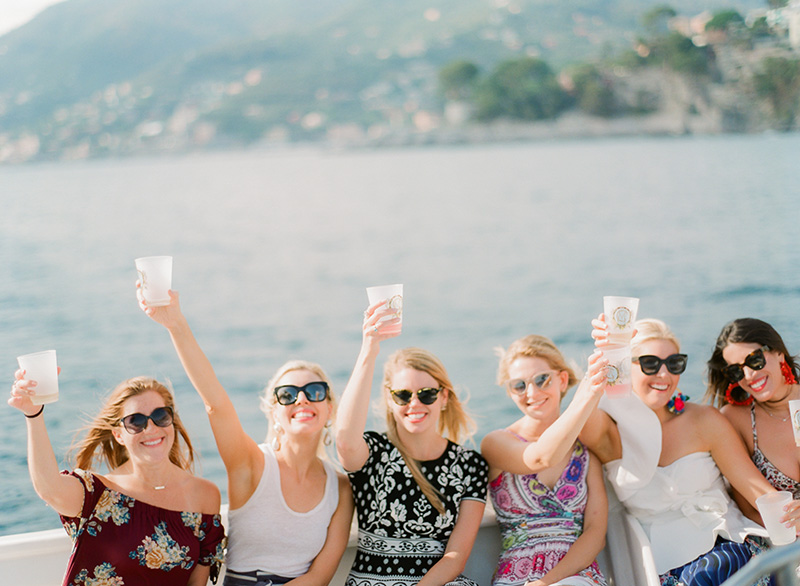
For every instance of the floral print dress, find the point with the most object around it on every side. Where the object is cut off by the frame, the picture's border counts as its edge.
(539, 524)
(400, 534)
(119, 541)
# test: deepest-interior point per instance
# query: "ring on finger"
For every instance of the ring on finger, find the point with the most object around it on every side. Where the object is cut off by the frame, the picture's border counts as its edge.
(375, 328)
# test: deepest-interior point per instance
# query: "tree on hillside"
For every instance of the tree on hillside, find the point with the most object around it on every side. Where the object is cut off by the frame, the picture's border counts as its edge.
(522, 89)
(681, 54)
(777, 3)
(779, 83)
(656, 19)
(593, 92)
(723, 20)
(457, 79)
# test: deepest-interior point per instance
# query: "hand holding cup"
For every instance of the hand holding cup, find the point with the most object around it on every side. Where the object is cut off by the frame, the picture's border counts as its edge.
(23, 391)
(381, 322)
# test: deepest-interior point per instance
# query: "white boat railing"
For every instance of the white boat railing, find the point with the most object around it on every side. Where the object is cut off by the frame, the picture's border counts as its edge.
(39, 558)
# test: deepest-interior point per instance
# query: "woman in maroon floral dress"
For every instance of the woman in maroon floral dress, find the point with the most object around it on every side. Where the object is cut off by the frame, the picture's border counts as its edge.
(149, 520)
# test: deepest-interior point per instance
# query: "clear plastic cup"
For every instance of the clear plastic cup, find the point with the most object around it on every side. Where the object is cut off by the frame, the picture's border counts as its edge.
(770, 506)
(155, 274)
(620, 314)
(618, 371)
(42, 368)
(392, 295)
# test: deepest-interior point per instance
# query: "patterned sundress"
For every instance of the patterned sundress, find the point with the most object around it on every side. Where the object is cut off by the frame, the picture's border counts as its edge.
(538, 524)
(400, 534)
(119, 541)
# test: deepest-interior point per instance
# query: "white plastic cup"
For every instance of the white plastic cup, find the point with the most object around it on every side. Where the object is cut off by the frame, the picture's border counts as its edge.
(392, 295)
(794, 417)
(770, 506)
(618, 371)
(42, 368)
(620, 315)
(155, 274)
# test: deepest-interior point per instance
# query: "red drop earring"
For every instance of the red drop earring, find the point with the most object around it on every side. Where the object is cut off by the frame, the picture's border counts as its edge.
(787, 373)
(730, 399)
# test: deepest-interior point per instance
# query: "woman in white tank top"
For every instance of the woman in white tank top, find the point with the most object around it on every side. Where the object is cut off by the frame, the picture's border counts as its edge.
(290, 512)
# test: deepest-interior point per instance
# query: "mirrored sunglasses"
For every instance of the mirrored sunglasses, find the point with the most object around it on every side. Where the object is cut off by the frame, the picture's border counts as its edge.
(315, 392)
(676, 363)
(754, 361)
(541, 381)
(137, 422)
(426, 396)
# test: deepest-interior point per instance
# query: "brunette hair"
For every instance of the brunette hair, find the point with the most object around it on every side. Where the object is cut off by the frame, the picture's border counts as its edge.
(99, 440)
(454, 422)
(534, 346)
(745, 330)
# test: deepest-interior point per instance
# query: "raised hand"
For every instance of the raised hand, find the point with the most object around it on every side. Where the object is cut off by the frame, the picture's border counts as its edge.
(168, 316)
(376, 330)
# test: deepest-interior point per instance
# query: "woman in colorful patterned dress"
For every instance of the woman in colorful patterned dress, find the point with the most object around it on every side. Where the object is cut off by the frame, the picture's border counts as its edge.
(149, 520)
(419, 495)
(290, 511)
(546, 488)
(752, 377)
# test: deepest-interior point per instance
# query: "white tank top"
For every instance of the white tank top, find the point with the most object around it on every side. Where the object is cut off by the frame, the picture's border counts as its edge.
(265, 534)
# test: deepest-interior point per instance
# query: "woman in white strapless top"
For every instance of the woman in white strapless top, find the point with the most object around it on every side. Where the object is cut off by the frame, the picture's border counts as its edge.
(665, 458)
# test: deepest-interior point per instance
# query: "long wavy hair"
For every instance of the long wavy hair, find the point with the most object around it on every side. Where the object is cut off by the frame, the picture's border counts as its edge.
(745, 330)
(99, 442)
(454, 422)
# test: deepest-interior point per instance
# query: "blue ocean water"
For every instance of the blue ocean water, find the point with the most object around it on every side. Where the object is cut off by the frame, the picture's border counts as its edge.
(273, 250)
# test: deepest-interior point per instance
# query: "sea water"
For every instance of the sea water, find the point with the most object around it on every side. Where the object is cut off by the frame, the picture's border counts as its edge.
(273, 250)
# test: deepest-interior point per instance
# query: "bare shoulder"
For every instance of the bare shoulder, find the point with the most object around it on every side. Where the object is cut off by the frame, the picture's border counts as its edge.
(498, 439)
(738, 415)
(206, 495)
(707, 420)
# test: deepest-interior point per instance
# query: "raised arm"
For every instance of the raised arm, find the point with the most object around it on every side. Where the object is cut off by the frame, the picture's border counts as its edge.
(351, 419)
(63, 493)
(504, 452)
(239, 452)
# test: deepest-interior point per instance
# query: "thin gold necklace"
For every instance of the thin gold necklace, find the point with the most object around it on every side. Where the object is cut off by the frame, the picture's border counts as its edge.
(768, 412)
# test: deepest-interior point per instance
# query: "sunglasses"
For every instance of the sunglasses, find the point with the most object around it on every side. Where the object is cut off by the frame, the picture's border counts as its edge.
(519, 385)
(137, 422)
(426, 396)
(754, 361)
(676, 363)
(314, 392)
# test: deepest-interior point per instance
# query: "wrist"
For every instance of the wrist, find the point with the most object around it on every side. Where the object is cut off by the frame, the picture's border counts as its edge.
(35, 415)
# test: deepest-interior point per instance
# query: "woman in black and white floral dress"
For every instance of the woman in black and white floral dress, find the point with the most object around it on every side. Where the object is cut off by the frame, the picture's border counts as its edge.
(419, 495)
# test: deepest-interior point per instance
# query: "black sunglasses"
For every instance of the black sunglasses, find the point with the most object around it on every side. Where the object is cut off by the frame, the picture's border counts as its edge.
(137, 422)
(520, 385)
(426, 396)
(314, 392)
(754, 361)
(676, 363)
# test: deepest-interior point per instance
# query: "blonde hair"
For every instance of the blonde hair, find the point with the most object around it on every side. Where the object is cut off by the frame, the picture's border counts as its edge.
(534, 346)
(454, 422)
(99, 436)
(652, 329)
(268, 401)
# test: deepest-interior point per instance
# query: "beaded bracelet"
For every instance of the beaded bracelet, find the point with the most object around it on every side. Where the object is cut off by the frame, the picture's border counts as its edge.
(39, 412)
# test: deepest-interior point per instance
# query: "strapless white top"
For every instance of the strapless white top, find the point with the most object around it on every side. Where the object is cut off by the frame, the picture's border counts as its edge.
(682, 507)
